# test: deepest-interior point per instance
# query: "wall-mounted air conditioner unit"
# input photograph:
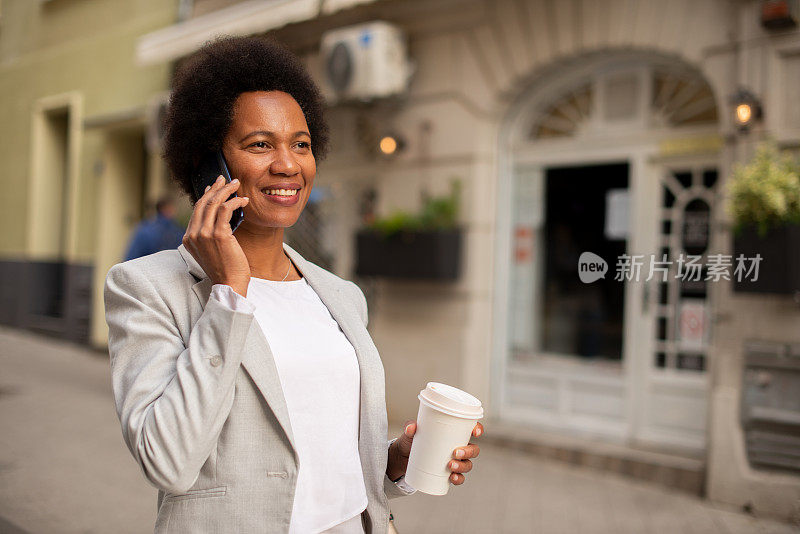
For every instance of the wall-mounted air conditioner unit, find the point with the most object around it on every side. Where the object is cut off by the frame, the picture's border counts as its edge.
(364, 62)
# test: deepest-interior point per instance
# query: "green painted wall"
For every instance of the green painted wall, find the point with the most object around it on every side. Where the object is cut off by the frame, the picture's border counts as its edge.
(61, 46)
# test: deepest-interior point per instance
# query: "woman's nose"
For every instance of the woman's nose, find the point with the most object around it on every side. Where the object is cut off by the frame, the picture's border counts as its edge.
(284, 163)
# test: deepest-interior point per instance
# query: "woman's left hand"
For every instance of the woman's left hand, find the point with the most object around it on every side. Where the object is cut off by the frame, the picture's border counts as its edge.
(398, 459)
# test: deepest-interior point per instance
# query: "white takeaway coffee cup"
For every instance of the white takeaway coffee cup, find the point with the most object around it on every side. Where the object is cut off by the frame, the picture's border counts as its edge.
(445, 421)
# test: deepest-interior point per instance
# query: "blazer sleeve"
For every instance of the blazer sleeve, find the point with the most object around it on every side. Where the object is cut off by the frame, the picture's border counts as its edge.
(393, 489)
(172, 398)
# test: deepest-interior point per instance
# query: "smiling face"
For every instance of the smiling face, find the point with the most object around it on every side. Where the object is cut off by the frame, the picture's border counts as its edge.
(268, 148)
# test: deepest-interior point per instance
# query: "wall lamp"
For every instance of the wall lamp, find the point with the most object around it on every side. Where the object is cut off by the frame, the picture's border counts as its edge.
(391, 144)
(746, 108)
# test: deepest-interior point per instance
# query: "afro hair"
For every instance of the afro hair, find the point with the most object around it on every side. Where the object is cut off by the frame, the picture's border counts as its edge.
(207, 85)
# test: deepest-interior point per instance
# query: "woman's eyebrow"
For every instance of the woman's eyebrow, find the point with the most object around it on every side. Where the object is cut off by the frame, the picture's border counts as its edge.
(272, 134)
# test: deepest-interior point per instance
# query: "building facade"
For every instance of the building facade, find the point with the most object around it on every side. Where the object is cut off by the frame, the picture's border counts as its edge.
(82, 166)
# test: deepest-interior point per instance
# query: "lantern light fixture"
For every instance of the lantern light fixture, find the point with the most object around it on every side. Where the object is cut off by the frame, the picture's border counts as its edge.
(746, 109)
(390, 145)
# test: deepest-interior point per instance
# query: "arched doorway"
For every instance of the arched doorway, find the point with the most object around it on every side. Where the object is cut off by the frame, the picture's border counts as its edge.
(613, 154)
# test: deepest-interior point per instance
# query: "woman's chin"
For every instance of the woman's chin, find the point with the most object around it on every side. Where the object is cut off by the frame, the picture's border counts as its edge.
(261, 225)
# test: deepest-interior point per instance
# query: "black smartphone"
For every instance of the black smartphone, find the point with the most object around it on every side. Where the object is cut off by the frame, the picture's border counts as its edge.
(211, 166)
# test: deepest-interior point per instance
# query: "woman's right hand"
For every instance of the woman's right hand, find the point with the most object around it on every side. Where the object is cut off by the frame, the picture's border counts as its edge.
(210, 240)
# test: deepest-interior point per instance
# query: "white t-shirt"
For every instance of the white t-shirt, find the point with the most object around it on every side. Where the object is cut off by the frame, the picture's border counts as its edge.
(319, 373)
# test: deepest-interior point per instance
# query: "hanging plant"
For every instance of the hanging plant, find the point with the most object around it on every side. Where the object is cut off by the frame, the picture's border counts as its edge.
(765, 193)
(765, 206)
(437, 213)
(426, 245)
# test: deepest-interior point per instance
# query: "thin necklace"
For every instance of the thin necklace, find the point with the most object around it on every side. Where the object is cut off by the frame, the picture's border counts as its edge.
(287, 270)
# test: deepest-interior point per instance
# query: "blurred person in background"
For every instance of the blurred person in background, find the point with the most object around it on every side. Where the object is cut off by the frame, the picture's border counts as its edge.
(156, 234)
(237, 433)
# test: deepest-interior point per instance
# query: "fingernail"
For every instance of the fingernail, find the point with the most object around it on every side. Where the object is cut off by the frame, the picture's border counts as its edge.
(478, 432)
(460, 453)
(208, 187)
(405, 430)
(235, 181)
(246, 199)
(219, 178)
(453, 465)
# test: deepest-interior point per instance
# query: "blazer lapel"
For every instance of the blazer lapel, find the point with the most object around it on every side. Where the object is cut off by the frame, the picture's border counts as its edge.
(349, 320)
(257, 360)
(260, 365)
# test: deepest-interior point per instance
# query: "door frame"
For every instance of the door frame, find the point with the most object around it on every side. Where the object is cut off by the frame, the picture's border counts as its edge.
(630, 367)
(589, 136)
(637, 372)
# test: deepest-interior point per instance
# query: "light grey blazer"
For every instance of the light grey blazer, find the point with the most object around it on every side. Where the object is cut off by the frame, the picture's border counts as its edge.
(201, 405)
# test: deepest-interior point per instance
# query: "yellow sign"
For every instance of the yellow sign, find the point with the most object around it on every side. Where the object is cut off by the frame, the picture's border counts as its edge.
(690, 145)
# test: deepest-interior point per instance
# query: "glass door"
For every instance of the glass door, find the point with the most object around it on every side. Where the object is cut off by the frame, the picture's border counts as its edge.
(673, 384)
(565, 355)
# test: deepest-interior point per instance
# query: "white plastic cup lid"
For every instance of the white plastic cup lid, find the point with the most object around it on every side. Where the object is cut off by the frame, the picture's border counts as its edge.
(451, 401)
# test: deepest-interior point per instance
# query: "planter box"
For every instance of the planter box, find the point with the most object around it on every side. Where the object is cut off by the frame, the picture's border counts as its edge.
(432, 255)
(779, 270)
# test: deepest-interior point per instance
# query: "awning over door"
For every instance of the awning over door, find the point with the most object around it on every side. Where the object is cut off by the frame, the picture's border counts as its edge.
(245, 18)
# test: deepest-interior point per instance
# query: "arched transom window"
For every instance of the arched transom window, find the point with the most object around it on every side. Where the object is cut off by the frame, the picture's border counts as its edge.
(643, 96)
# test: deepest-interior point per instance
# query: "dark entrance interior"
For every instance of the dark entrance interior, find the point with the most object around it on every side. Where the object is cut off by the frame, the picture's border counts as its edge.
(582, 319)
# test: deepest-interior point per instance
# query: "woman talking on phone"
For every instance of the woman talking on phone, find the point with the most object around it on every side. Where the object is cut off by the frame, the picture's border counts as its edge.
(248, 388)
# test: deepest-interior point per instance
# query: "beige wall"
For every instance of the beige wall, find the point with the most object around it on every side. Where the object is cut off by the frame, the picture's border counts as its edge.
(766, 68)
(743, 317)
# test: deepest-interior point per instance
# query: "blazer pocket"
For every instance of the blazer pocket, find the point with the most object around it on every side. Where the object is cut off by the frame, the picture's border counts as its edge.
(198, 494)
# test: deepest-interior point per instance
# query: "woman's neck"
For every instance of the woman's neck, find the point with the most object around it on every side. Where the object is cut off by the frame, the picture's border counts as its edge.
(265, 254)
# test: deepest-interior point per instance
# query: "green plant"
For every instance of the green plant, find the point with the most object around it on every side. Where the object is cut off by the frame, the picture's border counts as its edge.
(765, 193)
(437, 213)
(396, 222)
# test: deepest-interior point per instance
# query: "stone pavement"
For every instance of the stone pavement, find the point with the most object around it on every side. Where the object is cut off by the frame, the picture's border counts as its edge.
(65, 469)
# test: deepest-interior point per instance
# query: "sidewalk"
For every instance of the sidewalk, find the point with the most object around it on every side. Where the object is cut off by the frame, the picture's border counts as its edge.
(65, 469)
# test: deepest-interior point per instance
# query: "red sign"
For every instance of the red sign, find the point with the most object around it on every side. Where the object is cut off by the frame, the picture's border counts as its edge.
(523, 244)
(692, 324)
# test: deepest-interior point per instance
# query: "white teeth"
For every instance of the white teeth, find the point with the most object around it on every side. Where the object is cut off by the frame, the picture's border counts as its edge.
(282, 192)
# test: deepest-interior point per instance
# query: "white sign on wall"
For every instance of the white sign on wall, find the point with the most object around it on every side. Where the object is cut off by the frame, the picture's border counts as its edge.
(617, 214)
(692, 325)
